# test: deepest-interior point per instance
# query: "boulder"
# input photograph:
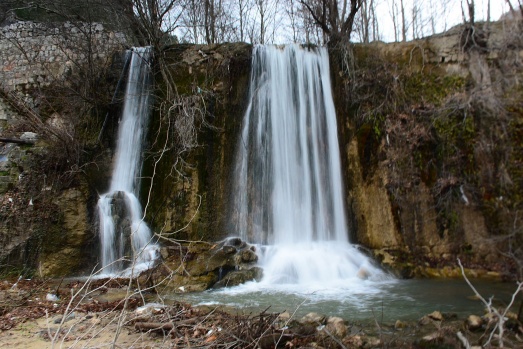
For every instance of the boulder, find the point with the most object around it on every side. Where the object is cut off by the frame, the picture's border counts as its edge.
(198, 266)
(239, 277)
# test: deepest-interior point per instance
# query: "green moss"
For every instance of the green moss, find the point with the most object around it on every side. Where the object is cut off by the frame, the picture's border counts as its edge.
(433, 87)
(193, 194)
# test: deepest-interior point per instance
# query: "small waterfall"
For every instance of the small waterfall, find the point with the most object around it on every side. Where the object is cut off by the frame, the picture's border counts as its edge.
(289, 194)
(125, 238)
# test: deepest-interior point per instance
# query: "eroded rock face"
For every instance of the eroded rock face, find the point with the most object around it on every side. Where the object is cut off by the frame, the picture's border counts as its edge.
(200, 265)
(195, 195)
(420, 184)
(71, 254)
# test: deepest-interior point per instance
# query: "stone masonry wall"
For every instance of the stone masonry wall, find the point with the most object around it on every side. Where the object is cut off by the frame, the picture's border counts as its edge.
(32, 55)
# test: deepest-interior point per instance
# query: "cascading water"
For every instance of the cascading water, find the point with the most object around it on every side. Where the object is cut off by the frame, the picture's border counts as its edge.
(125, 238)
(289, 195)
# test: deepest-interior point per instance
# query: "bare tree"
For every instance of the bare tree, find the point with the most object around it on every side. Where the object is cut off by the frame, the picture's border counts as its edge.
(367, 23)
(336, 21)
(192, 20)
(209, 21)
(292, 14)
(244, 8)
(263, 8)
(394, 12)
(403, 22)
(156, 19)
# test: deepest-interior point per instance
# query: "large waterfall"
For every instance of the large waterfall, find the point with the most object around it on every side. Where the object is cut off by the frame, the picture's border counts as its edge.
(289, 194)
(125, 238)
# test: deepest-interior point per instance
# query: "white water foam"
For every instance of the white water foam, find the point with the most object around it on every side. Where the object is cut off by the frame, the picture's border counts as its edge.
(125, 239)
(289, 194)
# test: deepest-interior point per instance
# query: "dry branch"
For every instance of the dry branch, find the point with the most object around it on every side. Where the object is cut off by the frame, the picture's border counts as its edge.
(15, 140)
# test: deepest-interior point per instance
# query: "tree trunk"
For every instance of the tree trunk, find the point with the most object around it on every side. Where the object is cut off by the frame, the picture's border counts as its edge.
(403, 22)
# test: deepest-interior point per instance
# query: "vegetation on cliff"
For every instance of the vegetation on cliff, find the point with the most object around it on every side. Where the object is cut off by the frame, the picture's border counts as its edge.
(443, 128)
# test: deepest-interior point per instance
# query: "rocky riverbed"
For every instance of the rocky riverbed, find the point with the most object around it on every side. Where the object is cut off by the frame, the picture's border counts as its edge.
(103, 313)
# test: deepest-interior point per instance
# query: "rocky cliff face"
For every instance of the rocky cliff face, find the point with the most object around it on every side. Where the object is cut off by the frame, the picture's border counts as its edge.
(190, 189)
(55, 92)
(430, 136)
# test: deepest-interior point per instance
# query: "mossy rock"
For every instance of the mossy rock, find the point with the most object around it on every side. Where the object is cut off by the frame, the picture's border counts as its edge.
(239, 277)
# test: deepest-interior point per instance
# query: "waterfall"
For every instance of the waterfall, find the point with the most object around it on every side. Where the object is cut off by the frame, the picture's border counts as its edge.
(289, 192)
(125, 239)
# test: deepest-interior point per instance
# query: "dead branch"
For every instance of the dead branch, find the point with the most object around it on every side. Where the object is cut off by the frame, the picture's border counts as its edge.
(16, 141)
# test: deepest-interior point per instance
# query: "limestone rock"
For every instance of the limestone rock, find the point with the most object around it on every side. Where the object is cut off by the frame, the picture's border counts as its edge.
(239, 277)
(436, 316)
(474, 322)
(29, 137)
(355, 341)
(229, 249)
(248, 256)
(400, 325)
(336, 326)
(313, 318)
(285, 316)
(200, 265)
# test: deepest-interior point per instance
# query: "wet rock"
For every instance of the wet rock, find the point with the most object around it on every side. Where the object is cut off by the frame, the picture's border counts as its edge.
(239, 277)
(313, 318)
(436, 316)
(237, 242)
(474, 323)
(336, 326)
(199, 266)
(229, 249)
(363, 273)
(399, 325)
(425, 320)
(248, 256)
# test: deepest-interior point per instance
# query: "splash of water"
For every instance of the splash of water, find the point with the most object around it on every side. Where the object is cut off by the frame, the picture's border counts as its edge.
(125, 238)
(289, 194)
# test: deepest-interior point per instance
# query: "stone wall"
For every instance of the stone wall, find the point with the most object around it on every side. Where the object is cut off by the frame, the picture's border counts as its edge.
(34, 58)
(33, 55)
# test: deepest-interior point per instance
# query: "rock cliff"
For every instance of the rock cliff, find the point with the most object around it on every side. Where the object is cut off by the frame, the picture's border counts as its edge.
(430, 133)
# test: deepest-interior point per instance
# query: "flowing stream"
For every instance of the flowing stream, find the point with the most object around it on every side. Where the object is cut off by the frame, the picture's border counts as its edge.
(125, 239)
(289, 195)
